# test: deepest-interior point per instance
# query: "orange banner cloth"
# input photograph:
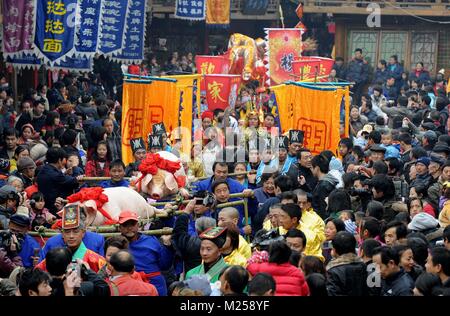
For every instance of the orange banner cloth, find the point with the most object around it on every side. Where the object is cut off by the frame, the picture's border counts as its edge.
(314, 111)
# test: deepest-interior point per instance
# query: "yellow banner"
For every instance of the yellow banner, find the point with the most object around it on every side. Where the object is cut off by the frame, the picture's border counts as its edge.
(145, 104)
(314, 111)
(218, 11)
(186, 85)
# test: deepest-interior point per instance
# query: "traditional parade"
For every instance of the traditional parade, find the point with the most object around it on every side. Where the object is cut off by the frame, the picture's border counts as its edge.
(224, 148)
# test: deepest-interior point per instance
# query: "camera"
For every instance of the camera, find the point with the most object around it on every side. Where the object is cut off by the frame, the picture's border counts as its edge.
(6, 239)
(263, 238)
(360, 192)
(204, 198)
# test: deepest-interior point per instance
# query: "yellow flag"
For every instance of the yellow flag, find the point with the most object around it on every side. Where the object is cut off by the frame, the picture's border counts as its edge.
(314, 111)
(145, 104)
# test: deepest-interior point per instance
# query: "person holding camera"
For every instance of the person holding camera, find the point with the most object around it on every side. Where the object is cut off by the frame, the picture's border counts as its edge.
(9, 256)
(9, 200)
(27, 246)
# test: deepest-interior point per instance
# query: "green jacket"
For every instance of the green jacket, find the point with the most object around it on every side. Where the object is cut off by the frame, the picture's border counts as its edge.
(213, 272)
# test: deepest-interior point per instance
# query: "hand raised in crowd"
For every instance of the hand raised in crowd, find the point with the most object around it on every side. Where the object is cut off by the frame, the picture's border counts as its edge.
(301, 180)
(59, 203)
(251, 177)
(247, 193)
(166, 239)
(14, 243)
(72, 283)
(79, 178)
(247, 229)
(184, 193)
(190, 207)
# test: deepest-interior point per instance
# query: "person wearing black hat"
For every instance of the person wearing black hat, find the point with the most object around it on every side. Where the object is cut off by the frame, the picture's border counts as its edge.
(442, 150)
(138, 149)
(155, 143)
(377, 153)
(213, 263)
(160, 129)
(20, 225)
(283, 162)
(423, 177)
(295, 143)
(9, 200)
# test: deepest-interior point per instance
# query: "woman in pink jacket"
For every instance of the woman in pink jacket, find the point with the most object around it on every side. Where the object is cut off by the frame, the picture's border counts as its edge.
(289, 280)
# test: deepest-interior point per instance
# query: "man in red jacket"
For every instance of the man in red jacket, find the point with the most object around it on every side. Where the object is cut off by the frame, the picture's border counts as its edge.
(121, 281)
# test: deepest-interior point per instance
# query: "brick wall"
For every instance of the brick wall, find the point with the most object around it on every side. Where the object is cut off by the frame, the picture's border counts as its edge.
(444, 50)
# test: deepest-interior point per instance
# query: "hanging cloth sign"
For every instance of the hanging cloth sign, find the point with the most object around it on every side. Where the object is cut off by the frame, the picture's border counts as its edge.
(112, 26)
(86, 35)
(55, 29)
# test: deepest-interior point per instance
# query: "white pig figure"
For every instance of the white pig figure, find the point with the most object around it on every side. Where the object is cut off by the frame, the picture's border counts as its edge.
(163, 183)
(119, 199)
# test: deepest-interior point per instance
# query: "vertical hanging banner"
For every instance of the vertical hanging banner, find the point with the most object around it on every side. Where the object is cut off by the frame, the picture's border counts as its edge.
(317, 112)
(143, 105)
(221, 90)
(207, 65)
(218, 13)
(133, 49)
(18, 27)
(193, 10)
(86, 35)
(55, 29)
(112, 26)
(284, 45)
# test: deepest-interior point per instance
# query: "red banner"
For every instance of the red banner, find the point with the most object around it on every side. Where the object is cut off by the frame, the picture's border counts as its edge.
(211, 65)
(221, 90)
(284, 45)
(308, 67)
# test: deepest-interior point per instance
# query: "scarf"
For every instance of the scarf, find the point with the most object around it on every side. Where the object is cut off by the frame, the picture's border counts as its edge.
(214, 270)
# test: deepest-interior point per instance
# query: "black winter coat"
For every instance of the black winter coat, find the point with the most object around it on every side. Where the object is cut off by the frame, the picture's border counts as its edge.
(186, 245)
(398, 284)
(347, 276)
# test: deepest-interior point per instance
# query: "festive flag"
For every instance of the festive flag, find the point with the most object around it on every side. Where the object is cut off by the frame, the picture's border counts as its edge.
(306, 69)
(145, 104)
(24, 61)
(87, 30)
(218, 13)
(221, 90)
(55, 29)
(284, 45)
(188, 94)
(133, 49)
(314, 110)
(18, 28)
(113, 26)
(211, 65)
(193, 10)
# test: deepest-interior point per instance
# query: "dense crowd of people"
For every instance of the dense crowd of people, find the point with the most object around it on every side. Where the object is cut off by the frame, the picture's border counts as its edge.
(369, 218)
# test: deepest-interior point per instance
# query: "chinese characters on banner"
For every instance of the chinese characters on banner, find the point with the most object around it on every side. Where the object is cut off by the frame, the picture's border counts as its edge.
(312, 110)
(305, 69)
(18, 28)
(144, 105)
(133, 50)
(313, 68)
(193, 10)
(112, 26)
(55, 28)
(221, 90)
(86, 36)
(284, 46)
(211, 65)
(218, 13)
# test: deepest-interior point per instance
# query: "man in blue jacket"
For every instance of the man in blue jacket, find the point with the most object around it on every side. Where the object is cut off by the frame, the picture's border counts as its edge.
(151, 257)
(117, 172)
(395, 70)
(358, 72)
(220, 170)
(91, 240)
